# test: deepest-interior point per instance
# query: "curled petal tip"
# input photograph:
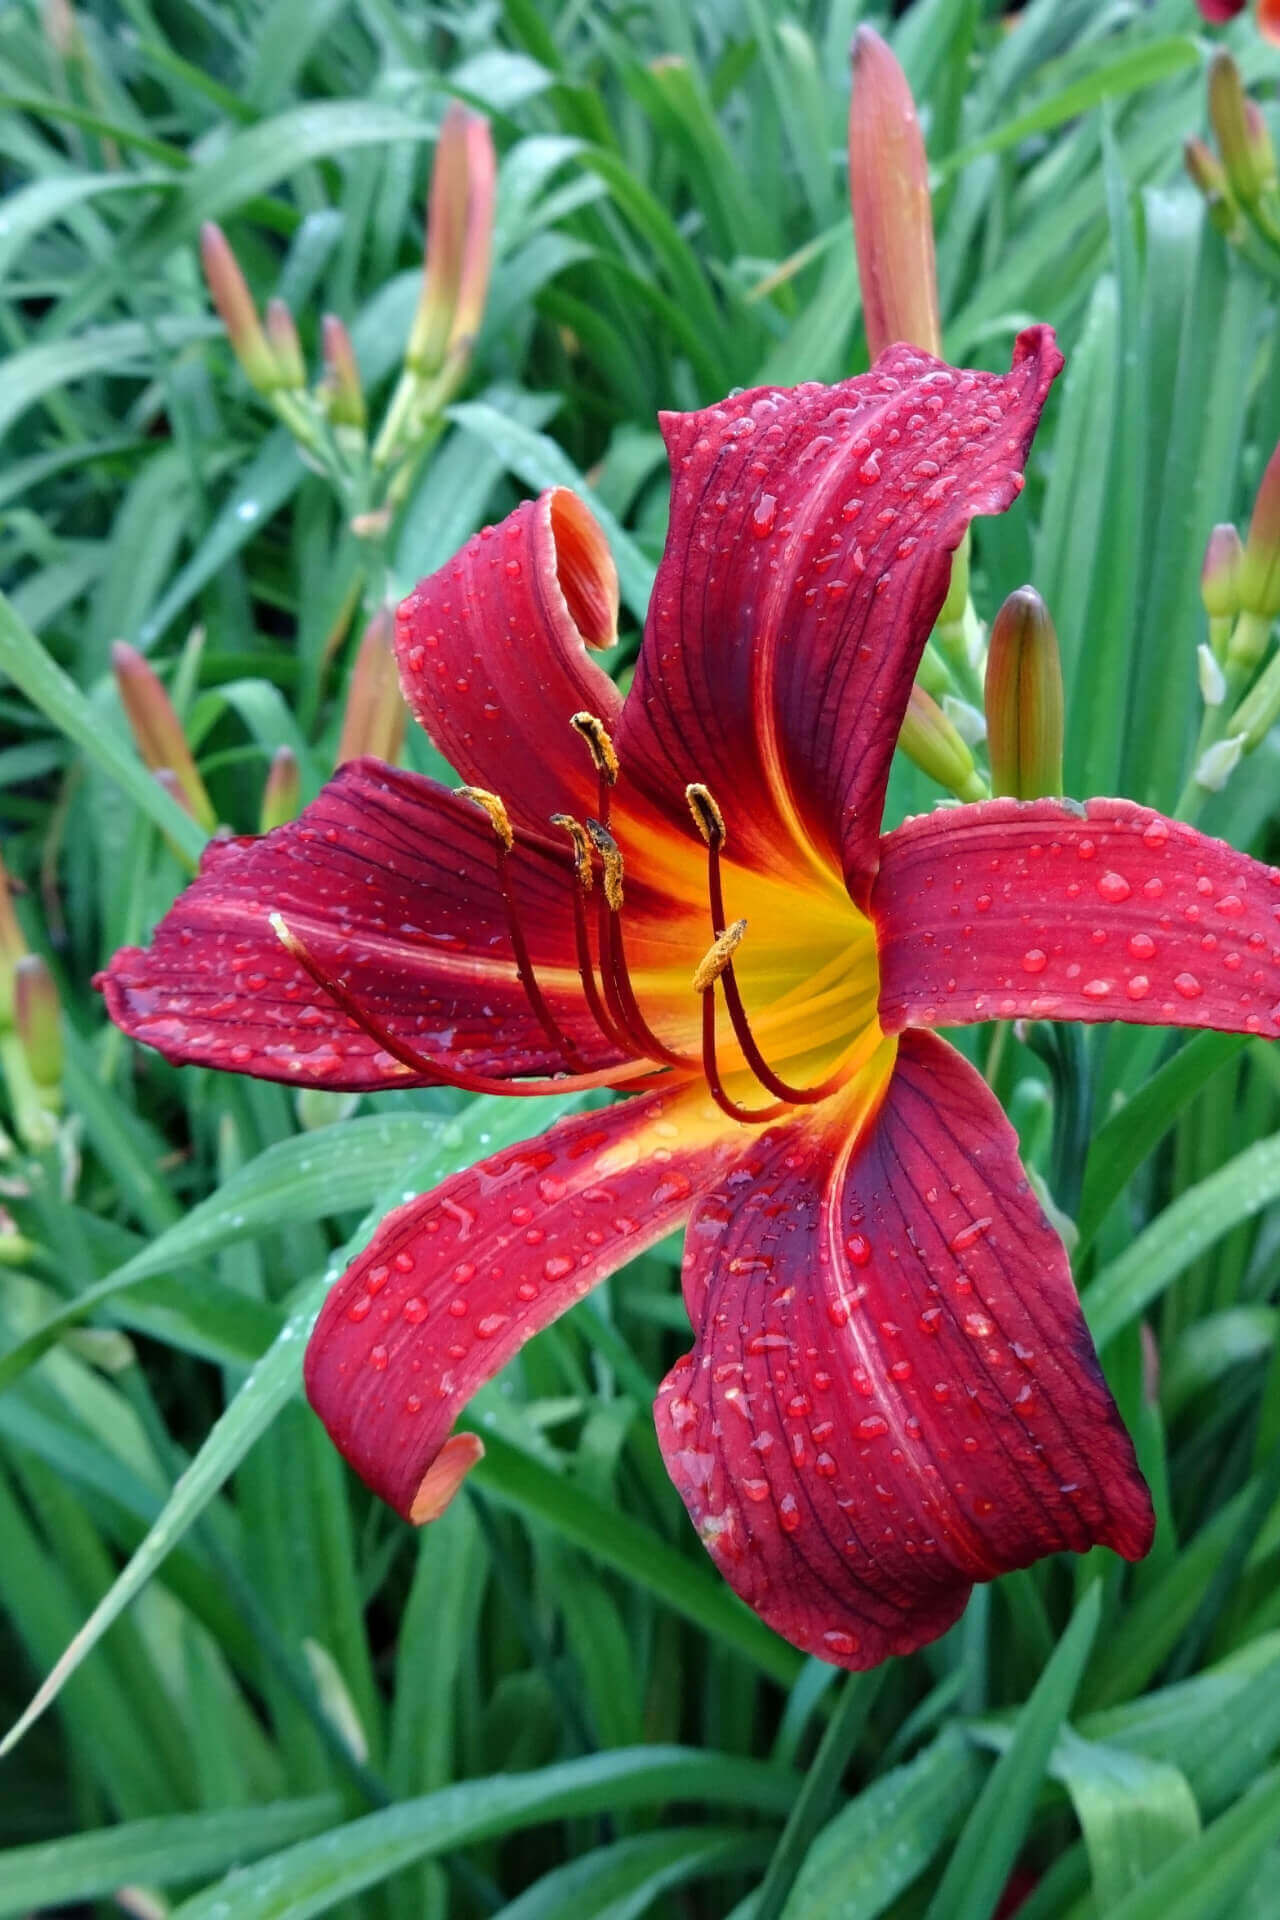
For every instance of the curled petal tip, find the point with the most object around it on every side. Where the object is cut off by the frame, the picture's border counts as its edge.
(444, 1476)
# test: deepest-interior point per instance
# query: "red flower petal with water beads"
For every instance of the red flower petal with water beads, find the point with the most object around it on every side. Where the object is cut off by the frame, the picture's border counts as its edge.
(392, 883)
(893, 1394)
(805, 563)
(493, 658)
(1044, 911)
(454, 1283)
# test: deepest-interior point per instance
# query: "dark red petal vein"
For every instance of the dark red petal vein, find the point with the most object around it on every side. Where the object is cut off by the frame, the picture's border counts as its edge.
(893, 1394)
(1109, 912)
(455, 1282)
(805, 563)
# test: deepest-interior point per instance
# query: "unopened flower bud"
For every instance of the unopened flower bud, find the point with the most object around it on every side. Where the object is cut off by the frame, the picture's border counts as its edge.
(282, 795)
(1024, 700)
(38, 1020)
(459, 247)
(12, 947)
(157, 729)
(931, 741)
(374, 722)
(892, 212)
(1218, 762)
(232, 298)
(282, 334)
(1220, 573)
(342, 389)
(1213, 681)
(1209, 177)
(1241, 132)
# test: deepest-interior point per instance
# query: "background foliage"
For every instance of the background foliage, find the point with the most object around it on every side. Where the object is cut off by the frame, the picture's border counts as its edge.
(547, 1705)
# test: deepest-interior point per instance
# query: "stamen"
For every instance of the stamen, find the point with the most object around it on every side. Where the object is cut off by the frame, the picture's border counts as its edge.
(710, 823)
(434, 1072)
(604, 758)
(707, 817)
(749, 1116)
(718, 956)
(582, 938)
(603, 753)
(506, 840)
(615, 975)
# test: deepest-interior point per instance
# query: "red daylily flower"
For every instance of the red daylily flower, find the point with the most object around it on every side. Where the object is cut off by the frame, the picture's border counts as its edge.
(892, 1393)
(1220, 11)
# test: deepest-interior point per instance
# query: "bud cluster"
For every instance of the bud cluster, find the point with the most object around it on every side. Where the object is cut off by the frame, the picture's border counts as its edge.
(329, 420)
(1238, 181)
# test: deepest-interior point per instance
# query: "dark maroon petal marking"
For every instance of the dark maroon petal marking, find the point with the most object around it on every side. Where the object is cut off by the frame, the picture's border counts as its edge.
(454, 1283)
(893, 1393)
(805, 563)
(391, 881)
(493, 659)
(1107, 912)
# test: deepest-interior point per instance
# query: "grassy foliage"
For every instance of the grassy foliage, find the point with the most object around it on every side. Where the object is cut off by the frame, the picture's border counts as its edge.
(548, 1705)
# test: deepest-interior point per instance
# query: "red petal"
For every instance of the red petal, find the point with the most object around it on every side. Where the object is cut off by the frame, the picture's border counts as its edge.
(1220, 10)
(893, 1394)
(390, 881)
(1043, 911)
(454, 1283)
(804, 566)
(493, 659)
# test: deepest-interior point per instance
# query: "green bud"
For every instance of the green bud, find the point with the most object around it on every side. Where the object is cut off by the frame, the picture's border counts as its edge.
(1024, 700)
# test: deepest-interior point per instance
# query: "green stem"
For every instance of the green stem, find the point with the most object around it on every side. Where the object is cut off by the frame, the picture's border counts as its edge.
(819, 1792)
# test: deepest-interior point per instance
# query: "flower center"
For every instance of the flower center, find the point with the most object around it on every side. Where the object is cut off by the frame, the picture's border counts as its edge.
(820, 1004)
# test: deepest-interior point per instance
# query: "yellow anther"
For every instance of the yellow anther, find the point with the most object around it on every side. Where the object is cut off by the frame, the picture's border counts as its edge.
(601, 748)
(494, 808)
(718, 956)
(581, 847)
(611, 860)
(707, 817)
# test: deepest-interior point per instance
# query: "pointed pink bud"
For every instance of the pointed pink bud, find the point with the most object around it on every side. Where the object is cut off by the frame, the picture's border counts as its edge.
(343, 392)
(37, 1017)
(285, 345)
(282, 795)
(1258, 576)
(1024, 700)
(892, 213)
(1220, 573)
(157, 729)
(934, 743)
(232, 298)
(459, 242)
(374, 722)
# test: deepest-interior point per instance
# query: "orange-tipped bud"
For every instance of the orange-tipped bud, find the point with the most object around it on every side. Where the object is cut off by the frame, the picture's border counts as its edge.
(1240, 130)
(1024, 700)
(1208, 176)
(282, 795)
(459, 243)
(38, 1020)
(1269, 20)
(158, 730)
(342, 389)
(232, 298)
(286, 347)
(12, 947)
(934, 743)
(374, 722)
(892, 213)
